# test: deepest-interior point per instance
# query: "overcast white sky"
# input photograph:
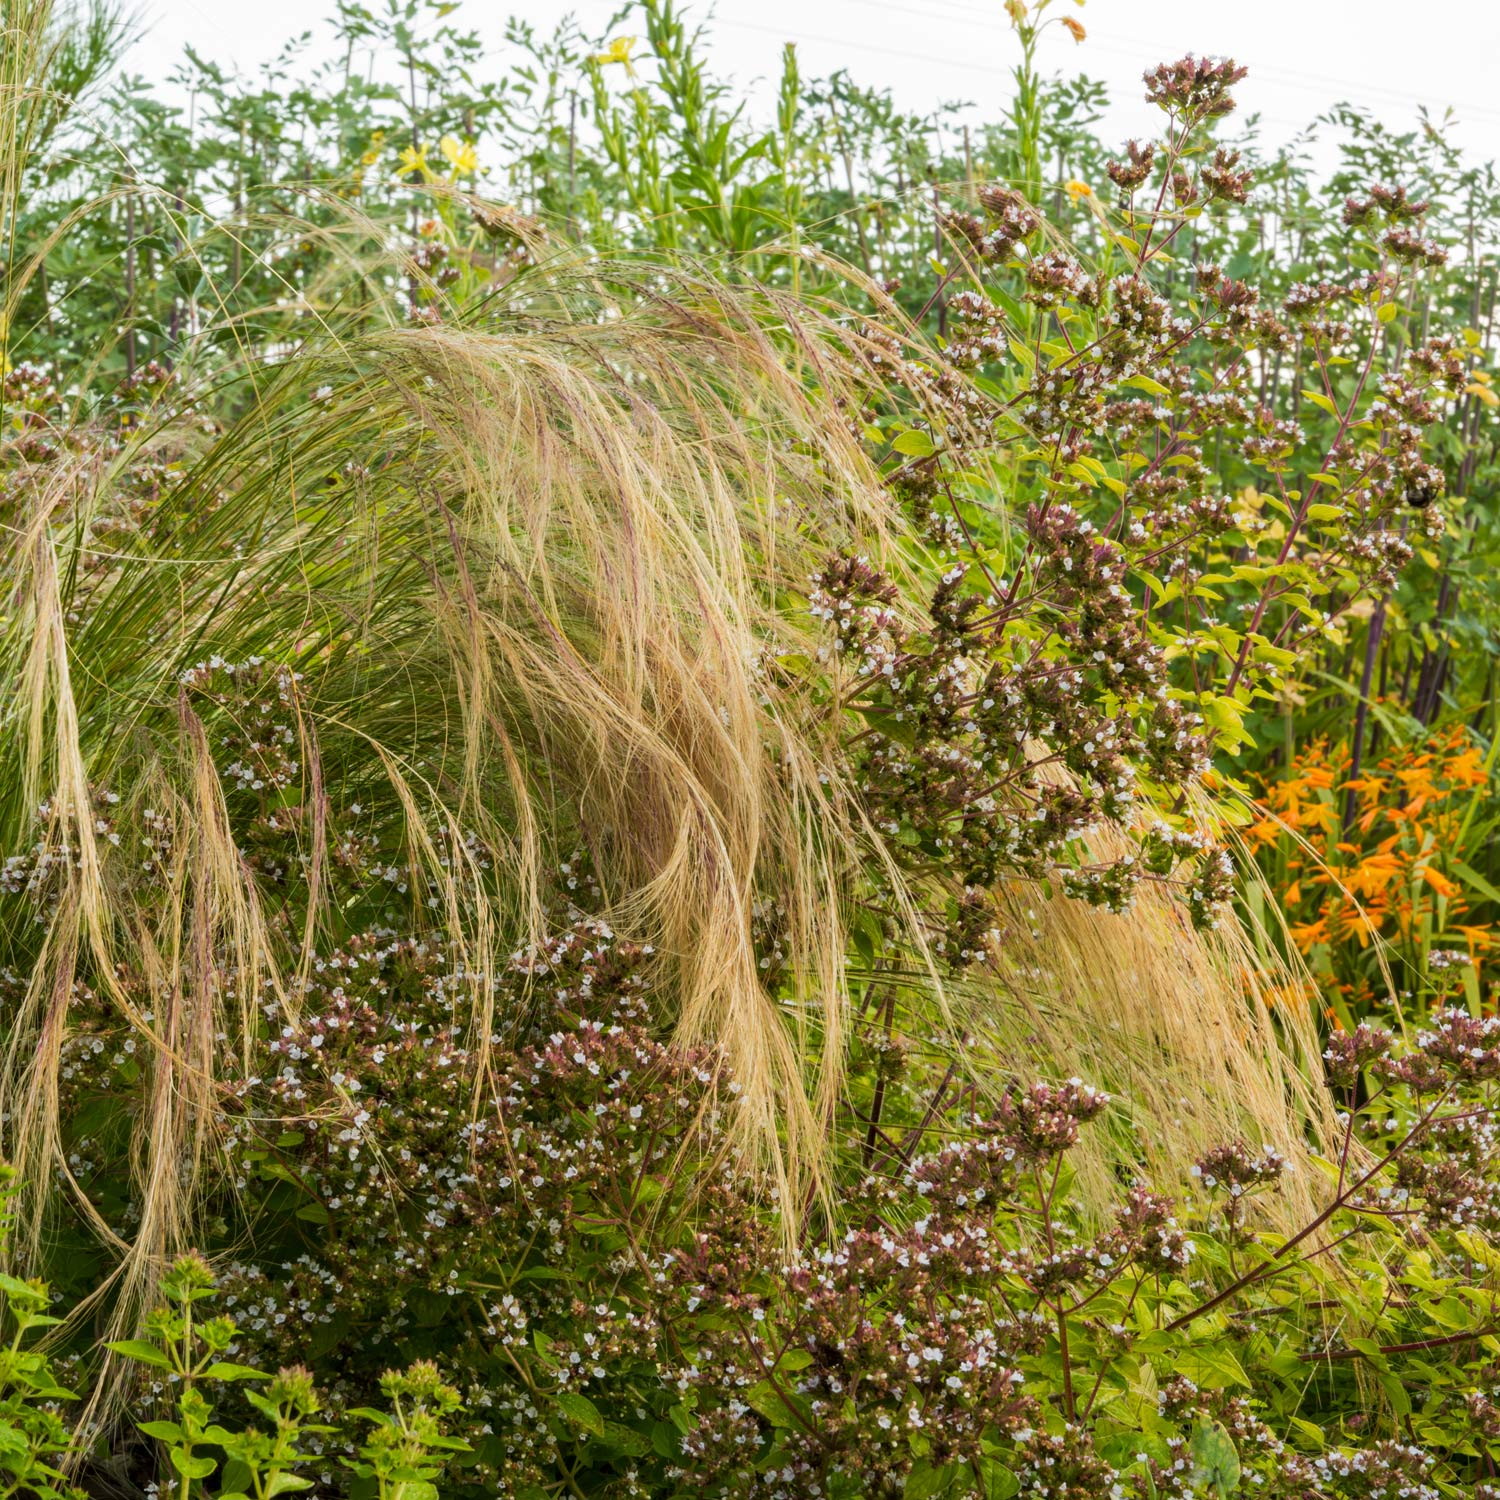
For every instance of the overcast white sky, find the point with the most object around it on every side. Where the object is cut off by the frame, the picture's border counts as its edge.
(1392, 55)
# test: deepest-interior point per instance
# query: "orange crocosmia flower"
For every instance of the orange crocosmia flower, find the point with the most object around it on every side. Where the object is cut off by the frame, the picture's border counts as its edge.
(1320, 778)
(1310, 816)
(1440, 882)
(1478, 939)
(1291, 996)
(1466, 769)
(1373, 874)
(1362, 925)
(1292, 894)
(1324, 816)
(1418, 777)
(1401, 816)
(1306, 935)
(1262, 832)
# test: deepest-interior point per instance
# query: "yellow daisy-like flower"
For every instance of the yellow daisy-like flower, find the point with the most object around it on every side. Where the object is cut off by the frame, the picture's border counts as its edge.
(413, 159)
(460, 155)
(619, 51)
(1076, 190)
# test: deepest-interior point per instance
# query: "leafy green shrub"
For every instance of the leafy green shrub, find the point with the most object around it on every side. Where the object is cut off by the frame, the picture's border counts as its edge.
(33, 1432)
(398, 1458)
(604, 1281)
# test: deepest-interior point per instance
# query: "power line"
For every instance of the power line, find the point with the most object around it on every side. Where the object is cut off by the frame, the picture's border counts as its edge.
(906, 53)
(983, 20)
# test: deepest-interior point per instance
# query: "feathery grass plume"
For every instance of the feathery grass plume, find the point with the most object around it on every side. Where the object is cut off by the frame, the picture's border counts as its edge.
(518, 579)
(1177, 1024)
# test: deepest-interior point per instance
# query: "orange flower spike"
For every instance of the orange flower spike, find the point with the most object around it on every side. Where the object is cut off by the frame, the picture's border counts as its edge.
(1306, 935)
(1265, 831)
(1467, 770)
(1445, 887)
(1479, 939)
(1373, 875)
(1363, 925)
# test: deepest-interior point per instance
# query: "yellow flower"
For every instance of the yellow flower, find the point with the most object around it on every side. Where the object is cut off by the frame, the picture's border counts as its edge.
(414, 159)
(1076, 190)
(460, 155)
(1075, 28)
(618, 52)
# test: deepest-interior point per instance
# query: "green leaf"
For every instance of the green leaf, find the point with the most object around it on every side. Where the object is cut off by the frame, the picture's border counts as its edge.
(1226, 715)
(1310, 1433)
(924, 1481)
(21, 1291)
(1211, 1365)
(1396, 1393)
(915, 444)
(190, 1467)
(1475, 879)
(779, 1408)
(141, 1351)
(224, 1369)
(1216, 1461)
(282, 1484)
(999, 1482)
(580, 1411)
(1371, 1351)
(167, 1432)
(623, 1439)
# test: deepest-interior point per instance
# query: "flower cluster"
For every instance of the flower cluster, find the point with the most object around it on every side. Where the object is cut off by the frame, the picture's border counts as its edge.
(554, 1209)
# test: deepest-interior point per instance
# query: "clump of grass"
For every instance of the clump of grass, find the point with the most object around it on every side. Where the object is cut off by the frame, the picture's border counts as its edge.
(520, 576)
(505, 586)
